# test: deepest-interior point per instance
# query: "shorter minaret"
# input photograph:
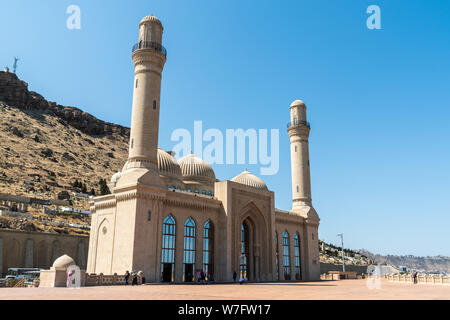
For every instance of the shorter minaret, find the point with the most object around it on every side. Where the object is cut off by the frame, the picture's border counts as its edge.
(298, 129)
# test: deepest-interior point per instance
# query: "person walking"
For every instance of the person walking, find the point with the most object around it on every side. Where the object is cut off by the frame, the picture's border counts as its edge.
(415, 277)
(127, 276)
(234, 276)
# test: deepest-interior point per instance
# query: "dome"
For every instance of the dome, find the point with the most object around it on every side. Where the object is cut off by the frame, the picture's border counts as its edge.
(115, 177)
(250, 180)
(63, 262)
(151, 18)
(195, 169)
(297, 103)
(167, 165)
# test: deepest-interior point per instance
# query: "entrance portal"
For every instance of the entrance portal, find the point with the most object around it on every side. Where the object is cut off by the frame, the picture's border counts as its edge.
(244, 257)
(167, 274)
(189, 272)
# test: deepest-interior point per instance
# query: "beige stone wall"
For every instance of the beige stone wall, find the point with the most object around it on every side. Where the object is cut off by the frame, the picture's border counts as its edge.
(22, 249)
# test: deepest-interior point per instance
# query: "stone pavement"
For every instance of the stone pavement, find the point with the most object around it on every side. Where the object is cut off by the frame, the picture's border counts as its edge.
(323, 290)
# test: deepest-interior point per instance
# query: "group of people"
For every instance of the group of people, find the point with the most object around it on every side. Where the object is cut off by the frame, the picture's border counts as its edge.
(134, 278)
(202, 277)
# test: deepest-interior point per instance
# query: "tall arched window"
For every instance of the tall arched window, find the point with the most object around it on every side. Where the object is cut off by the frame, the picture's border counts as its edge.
(208, 249)
(243, 267)
(286, 260)
(189, 250)
(168, 250)
(277, 256)
(298, 270)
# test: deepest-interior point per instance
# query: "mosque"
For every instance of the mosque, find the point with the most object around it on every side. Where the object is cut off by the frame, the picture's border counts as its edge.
(174, 220)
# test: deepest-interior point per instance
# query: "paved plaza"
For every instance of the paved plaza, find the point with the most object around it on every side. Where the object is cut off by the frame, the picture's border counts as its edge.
(323, 290)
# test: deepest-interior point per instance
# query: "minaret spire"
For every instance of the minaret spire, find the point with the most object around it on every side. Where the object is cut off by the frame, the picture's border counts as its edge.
(149, 57)
(298, 129)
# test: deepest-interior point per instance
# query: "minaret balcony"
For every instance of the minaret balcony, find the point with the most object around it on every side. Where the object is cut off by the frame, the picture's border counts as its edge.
(150, 45)
(298, 123)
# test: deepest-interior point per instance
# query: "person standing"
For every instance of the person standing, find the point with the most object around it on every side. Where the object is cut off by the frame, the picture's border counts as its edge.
(415, 277)
(127, 276)
(234, 276)
(134, 279)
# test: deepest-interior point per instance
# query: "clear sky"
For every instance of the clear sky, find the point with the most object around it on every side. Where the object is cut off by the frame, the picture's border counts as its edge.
(378, 100)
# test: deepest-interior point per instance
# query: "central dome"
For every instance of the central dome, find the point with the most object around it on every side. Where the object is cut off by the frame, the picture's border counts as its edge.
(195, 169)
(250, 180)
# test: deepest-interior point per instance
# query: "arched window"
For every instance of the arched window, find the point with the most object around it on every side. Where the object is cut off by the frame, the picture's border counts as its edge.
(286, 260)
(277, 256)
(243, 267)
(168, 250)
(210, 193)
(196, 191)
(204, 192)
(189, 250)
(208, 249)
(298, 270)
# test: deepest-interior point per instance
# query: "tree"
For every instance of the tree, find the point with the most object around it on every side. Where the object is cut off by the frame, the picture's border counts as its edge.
(104, 190)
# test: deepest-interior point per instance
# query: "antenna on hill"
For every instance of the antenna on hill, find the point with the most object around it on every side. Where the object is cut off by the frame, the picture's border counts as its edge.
(15, 64)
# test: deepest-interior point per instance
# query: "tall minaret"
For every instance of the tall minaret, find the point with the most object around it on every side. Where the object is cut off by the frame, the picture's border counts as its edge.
(298, 129)
(149, 57)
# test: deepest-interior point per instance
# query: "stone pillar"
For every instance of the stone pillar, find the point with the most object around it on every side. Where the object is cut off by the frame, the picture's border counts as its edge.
(81, 256)
(29, 248)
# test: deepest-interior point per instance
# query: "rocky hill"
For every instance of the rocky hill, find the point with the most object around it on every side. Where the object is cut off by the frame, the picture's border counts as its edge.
(438, 264)
(45, 147)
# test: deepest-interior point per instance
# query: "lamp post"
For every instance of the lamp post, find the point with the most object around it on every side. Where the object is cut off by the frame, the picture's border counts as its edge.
(343, 257)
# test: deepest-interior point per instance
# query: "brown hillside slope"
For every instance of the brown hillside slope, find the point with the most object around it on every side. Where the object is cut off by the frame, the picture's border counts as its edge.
(45, 147)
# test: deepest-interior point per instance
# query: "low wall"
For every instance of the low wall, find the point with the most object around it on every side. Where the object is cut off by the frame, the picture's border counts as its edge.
(22, 249)
(421, 279)
(327, 267)
(106, 280)
(15, 214)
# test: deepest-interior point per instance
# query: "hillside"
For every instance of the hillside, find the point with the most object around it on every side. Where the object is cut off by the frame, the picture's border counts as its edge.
(46, 147)
(438, 264)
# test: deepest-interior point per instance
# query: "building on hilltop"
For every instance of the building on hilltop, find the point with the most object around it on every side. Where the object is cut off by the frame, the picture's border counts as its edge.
(173, 219)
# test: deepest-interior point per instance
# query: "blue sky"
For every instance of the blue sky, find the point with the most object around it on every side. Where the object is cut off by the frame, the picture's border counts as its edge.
(378, 100)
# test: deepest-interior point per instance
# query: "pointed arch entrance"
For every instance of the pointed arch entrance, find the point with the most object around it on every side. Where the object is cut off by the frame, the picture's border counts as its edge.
(252, 245)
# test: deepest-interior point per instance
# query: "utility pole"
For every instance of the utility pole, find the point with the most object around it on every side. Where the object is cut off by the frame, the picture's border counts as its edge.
(342, 244)
(15, 64)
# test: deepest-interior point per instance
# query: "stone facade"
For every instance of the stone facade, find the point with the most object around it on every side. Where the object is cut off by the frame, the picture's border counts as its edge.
(175, 220)
(19, 249)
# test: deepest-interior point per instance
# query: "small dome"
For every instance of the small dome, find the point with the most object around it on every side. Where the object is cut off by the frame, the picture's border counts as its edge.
(63, 262)
(195, 169)
(297, 103)
(250, 180)
(167, 165)
(115, 177)
(151, 18)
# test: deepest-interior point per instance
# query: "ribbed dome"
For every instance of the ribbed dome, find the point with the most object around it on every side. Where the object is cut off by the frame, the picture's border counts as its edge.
(297, 103)
(63, 262)
(150, 18)
(167, 165)
(195, 169)
(250, 179)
